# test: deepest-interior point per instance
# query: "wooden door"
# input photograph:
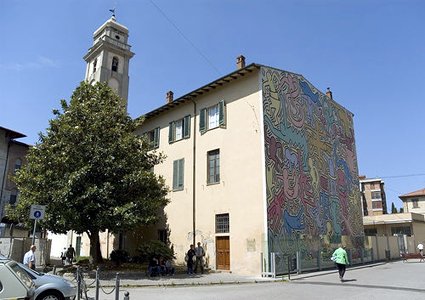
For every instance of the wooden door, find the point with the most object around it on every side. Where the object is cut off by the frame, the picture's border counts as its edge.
(223, 252)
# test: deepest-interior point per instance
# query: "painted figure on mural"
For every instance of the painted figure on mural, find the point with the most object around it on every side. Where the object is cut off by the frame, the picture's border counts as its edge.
(340, 258)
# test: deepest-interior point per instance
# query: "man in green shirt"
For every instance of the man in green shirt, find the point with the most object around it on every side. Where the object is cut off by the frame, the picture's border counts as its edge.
(340, 257)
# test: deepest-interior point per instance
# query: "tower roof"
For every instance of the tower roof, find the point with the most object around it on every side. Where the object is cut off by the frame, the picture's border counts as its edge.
(112, 22)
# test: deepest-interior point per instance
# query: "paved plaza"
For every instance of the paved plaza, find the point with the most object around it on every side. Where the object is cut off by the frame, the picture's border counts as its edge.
(394, 280)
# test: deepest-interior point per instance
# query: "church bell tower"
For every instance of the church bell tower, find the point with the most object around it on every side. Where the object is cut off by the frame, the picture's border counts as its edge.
(108, 59)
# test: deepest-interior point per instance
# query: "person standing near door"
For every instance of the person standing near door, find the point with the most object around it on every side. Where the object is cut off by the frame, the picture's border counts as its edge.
(200, 253)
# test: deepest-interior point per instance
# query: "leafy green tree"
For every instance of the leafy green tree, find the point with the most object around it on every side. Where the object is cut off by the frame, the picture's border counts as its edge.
(91, 170)
(393, 208)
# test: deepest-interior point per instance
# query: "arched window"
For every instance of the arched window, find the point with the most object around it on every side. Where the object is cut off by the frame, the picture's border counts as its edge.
(115, 64)
(94, 65)
(18, 165)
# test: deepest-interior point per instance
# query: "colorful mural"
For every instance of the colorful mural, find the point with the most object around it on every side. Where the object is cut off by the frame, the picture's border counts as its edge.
(313, 196)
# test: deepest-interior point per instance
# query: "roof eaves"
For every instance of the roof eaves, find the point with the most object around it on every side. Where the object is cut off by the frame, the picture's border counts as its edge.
(204, 89)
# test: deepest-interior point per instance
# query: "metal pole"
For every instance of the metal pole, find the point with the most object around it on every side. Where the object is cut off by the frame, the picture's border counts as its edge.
(97, 284)
(78, 283)
(126, 296)
(289, 267)
(33, 232)
(117, 287)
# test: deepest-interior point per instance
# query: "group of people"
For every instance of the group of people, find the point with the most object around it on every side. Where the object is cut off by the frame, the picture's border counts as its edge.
(67, 255)
(194, 258)
(160, 267)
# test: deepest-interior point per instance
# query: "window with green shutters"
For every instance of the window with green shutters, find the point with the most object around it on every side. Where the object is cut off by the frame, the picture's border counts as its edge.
(153, 138)
(212, 117)
(178, 175)
(179, 130)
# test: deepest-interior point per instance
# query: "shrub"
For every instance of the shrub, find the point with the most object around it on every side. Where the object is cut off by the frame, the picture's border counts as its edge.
(154, 248)
(119, 256)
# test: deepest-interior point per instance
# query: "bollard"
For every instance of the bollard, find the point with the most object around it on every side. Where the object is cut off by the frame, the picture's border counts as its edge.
(54, 270)
(78, 283)
(117, 287)
(126, 296)
(97, 284)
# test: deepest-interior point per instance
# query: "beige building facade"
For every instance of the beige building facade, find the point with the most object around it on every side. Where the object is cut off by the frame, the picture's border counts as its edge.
(258, 161)
(414, 202)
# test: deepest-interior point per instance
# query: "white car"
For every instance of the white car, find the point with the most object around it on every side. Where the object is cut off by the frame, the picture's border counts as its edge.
(51, 287)
(14, 281)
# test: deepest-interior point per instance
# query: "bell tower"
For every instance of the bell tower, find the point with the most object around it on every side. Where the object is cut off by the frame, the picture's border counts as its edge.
(108, 59)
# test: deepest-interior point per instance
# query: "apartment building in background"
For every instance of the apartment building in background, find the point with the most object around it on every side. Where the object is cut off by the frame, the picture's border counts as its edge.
(12, 157)
(373, 197)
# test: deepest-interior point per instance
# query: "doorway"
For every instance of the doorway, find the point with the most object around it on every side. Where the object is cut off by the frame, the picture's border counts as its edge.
(223, 252)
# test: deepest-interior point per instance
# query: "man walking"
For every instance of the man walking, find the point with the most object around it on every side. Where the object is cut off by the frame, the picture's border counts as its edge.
(70, 253)
(200, 253)
(29, 258)
(340, 257)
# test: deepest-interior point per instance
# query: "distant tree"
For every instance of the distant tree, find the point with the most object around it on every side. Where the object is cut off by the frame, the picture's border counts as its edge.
(401, 210)
(393, 208)
(91, 170)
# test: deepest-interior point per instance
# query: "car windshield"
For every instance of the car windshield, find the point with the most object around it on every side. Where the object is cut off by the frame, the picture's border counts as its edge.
(21, 274)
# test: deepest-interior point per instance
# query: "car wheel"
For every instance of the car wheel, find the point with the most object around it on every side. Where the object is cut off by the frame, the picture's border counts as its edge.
(50, 295)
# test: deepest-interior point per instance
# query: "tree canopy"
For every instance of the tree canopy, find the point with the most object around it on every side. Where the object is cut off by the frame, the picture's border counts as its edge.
(91, 170)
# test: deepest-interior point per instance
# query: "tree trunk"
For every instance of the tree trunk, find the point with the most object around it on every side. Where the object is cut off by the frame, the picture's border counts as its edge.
(95, 252)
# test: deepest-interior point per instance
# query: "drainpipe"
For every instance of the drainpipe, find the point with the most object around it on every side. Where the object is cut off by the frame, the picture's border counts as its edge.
(194, 175)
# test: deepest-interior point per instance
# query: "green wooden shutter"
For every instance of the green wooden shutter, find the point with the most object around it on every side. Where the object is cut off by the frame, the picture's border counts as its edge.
(175, 174)
(186, 127)
(171, 132)
(181, 173)
(156, 137)
(221, 114)
(202, 117)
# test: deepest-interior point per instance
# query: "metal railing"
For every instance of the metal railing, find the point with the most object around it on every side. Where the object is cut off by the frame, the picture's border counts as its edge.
(83, 287)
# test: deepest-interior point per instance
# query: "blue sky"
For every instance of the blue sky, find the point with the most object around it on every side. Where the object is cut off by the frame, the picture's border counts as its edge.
(370, 52)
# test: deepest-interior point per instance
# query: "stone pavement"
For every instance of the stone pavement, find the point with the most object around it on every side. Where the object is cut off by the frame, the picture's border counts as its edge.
(139, 279)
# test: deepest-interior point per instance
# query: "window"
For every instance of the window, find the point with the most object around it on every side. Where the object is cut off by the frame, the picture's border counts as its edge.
(94, 65)
(179, 129)
(163, 236)
(376, 195)
(153, 138)
(13, 197)
(376, 204)
(18, 165)
(370, 231)
(372, 185)
(415, 203)
(178, 174)
(212, 117)
(213, 166)
(115, 64)
(222, 223)
(401, 230)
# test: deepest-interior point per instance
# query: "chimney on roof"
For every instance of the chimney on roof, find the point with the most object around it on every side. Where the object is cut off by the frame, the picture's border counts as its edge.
(240, 62)
(170, 96)
(329, 93)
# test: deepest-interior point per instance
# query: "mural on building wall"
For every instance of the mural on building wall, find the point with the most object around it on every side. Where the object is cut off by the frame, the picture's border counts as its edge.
(313, 197)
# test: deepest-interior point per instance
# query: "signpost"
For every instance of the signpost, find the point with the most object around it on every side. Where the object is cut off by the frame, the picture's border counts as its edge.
(36, 213)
